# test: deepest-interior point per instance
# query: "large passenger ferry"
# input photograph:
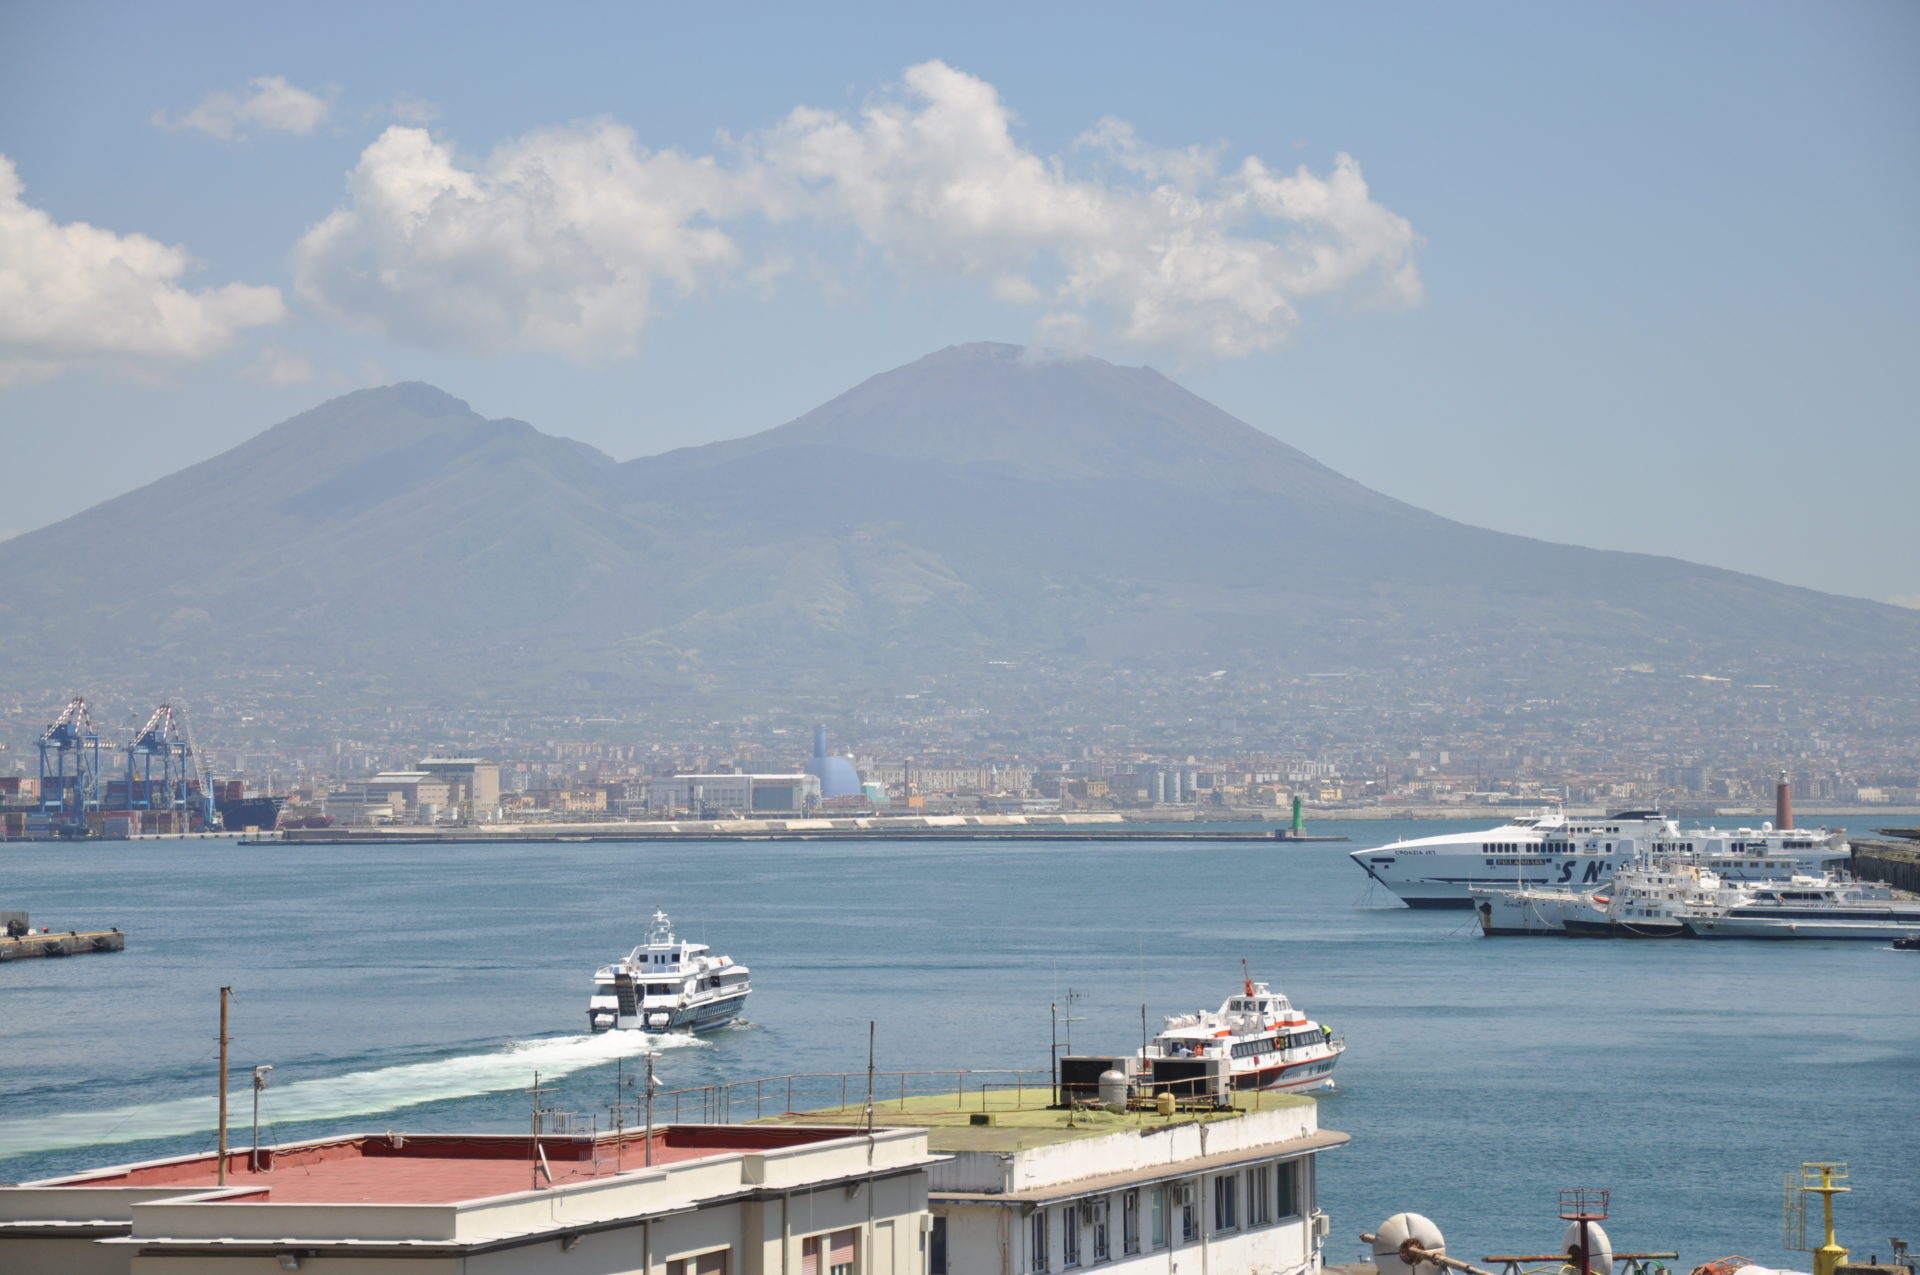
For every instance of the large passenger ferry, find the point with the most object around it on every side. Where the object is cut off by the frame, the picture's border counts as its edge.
(1577, 852)
(667, 985)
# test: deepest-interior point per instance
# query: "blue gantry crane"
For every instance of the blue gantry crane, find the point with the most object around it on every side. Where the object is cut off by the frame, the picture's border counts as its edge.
(165, 746)
(70, 770)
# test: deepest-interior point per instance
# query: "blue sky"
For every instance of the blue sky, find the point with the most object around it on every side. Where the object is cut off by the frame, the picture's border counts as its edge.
(1631, 276)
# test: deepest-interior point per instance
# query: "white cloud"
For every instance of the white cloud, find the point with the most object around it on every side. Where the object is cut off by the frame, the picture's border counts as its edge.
(72, 293)
(557, 242)
(562, 239)
(1908, 600)
(268, 104)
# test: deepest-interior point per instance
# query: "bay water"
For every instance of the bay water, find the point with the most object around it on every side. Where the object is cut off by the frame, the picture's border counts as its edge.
(420, 988)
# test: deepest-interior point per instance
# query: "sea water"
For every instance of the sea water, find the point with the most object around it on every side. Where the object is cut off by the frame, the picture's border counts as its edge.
(423, 988)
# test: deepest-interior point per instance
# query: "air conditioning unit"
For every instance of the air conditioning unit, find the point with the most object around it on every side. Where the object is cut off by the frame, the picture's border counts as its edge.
(1183, 1194)
(1322, 1225)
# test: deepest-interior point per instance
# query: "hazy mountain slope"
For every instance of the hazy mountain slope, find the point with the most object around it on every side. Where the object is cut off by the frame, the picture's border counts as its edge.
(381, 518)
(1175, 517)
(976, 504)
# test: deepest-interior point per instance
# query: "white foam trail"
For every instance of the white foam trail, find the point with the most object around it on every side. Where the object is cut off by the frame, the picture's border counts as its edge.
(356, 1093)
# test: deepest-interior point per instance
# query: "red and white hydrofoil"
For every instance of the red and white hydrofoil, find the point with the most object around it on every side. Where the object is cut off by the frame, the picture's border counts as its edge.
(1264, 1042)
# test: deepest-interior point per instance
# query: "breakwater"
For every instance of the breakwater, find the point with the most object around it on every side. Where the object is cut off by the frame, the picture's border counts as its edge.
(1896, 862)
(925, 828)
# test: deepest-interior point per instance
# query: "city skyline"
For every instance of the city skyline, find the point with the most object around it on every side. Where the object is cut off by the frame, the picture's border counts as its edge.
(1462, 258)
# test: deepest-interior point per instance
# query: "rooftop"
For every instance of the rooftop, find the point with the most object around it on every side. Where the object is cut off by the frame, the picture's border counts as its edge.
(1019, 1119)
(441, 1169)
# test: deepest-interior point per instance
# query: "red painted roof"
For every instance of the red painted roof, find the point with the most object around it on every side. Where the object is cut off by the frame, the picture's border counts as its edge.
(445, 1169)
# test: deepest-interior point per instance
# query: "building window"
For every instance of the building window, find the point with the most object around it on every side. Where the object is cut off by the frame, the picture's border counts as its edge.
(835, 1252)
(1130, 1222)
(1260, 1195)
(1040, 1241)
(1226, 1193)
(1160, 1217)
(840, 1255)
(937, 1247)
(1070, 1236)
(1287, 1198)
(714, 1263)
(1102, 1249)
(1189, 1213)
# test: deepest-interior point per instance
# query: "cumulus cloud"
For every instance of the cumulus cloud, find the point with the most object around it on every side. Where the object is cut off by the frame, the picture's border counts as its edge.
(268, 104)
(557, 242)
(72, 293)
(564, 239)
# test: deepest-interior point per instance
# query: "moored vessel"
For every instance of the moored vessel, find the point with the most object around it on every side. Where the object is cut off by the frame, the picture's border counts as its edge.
(667, 984)
(1577, 853)
(1683, 899)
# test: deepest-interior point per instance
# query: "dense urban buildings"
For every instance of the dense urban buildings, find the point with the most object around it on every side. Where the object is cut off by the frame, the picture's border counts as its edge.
(1346, 745)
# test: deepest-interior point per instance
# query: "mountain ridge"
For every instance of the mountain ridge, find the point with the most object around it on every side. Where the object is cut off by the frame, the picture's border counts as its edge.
(979, 503)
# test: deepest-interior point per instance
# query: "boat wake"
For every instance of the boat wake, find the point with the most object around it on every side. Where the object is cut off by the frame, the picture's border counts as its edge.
(354, 1093)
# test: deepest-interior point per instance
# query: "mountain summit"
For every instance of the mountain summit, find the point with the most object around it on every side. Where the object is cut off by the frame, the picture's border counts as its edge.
(982, 503)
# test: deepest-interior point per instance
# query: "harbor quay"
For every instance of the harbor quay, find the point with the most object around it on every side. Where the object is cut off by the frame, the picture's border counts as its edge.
(20, 941)
(1097, 827)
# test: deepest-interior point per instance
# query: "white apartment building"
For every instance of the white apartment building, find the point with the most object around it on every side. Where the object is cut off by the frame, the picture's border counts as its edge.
(692, 1200)
(1028, 1189)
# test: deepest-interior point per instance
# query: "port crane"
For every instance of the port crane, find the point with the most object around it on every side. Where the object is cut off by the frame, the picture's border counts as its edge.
(165, 744)
(70, 769)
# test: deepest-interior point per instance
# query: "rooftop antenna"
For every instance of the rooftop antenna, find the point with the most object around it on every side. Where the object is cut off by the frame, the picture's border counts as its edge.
(869, 1086)
(1143, 999)
(651, 1082)
(1070, 1018)
(539, 1156)
(259, 1083)
(226, 994)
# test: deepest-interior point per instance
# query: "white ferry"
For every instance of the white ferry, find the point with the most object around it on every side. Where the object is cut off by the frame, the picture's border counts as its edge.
(1579, 853)
(1817, 907)
(667, 985)
(1685, 900)
(1643, 883)
(1262, 1040)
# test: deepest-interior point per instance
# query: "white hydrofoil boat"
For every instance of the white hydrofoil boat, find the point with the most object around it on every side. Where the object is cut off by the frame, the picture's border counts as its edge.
(1264, 1042)
(667, 985)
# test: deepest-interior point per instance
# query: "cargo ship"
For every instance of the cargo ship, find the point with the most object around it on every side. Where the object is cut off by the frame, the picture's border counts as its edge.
(237, 814)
